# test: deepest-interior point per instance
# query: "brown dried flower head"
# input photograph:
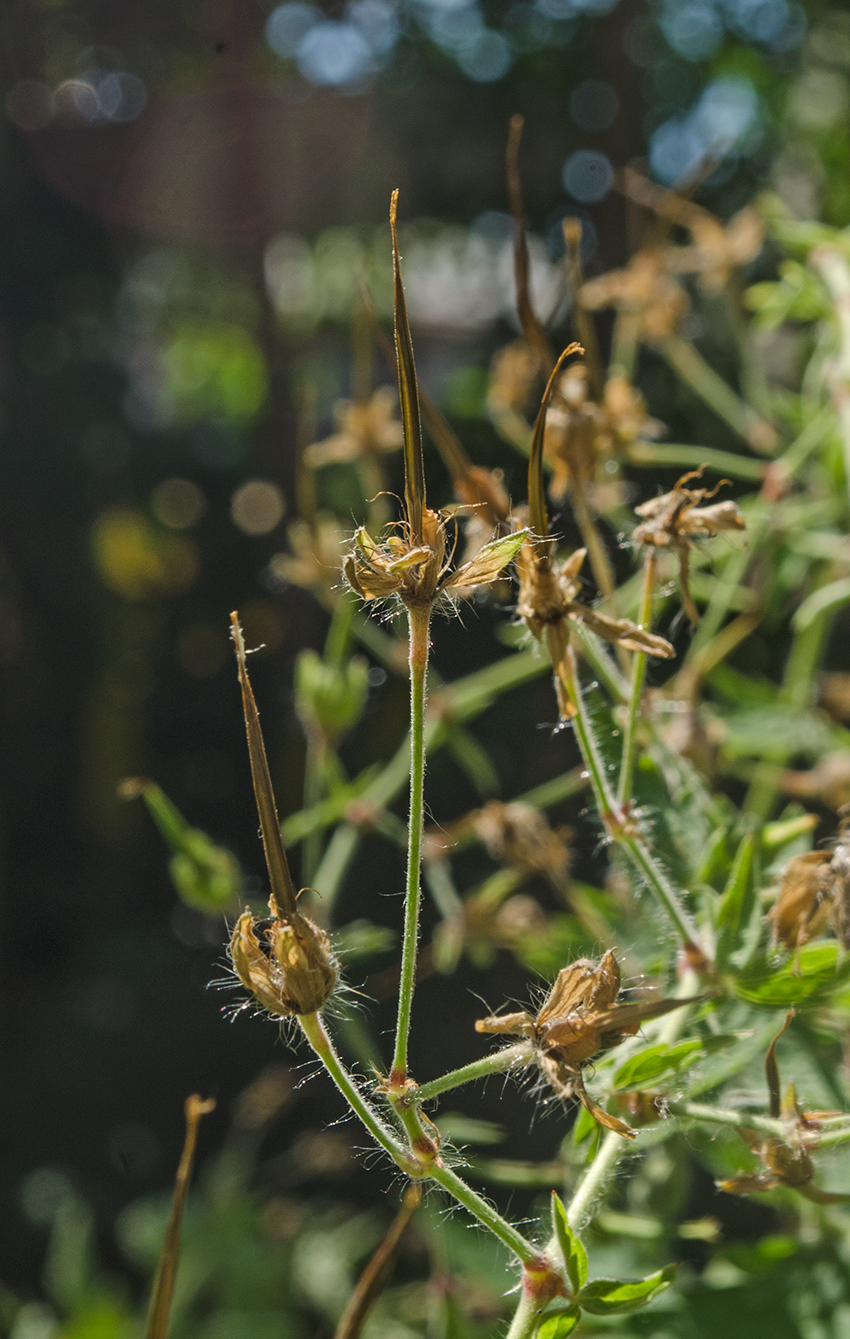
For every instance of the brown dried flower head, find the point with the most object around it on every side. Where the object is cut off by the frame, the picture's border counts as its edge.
(580, 1019)
(786, 1162)
(677, 520)
(414, 563)
(316, 549)
(364, 429)
(294, 970)
(645, 292)
(801, 910)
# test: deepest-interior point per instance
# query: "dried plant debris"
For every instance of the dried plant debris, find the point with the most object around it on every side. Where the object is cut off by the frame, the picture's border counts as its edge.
(677, 520)
(580, 1019)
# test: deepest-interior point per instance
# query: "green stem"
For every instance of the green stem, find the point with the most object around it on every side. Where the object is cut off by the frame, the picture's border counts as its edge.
(834, 269)
(314, 1030)
(627, 767)
(420, 623)
(486, 1214)
(511, 1057)
(722, 1116)
(690, 366)
(592, 1184)
(624, 344)
(526, 1317)
(311, 854)
(610, 812)
(691, 457)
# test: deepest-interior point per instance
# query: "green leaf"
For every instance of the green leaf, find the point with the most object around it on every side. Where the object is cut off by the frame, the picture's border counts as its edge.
(574, 1254)
(813, 968)
(652, 1063)
(559, 1325)
(738, 901)
(584, 1126)
(609, 1297)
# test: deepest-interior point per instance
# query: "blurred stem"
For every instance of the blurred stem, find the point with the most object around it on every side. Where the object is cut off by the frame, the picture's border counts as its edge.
(420, 624)
(834, 270)
(691, 457)
(508, 1058)
(339, 632)
(599, 561)
(617, 827)
(314, 789)
(592, 1184)
(721, 1116)
(639, 659)
(691, 368)
(624, 344)
(798, 685)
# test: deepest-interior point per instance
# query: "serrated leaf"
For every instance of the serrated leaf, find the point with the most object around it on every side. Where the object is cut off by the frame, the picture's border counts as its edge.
(813, 968)
(489, 562)
(654, 1062)
(738, 900)
(609, 1297)
(572, 1251)
(558, 1326)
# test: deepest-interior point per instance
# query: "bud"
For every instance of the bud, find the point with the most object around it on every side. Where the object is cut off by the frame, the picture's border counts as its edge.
(295, 972)
(330, 697)
(207, 877)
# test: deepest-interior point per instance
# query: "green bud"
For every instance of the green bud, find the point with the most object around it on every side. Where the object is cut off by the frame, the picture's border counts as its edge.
(329, 697)
(207, 877)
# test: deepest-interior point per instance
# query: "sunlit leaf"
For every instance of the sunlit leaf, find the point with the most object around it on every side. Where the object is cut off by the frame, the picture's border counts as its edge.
(812, 969)
(489, 562)
(558, 1326)
(609, 1297)
(573, 1253)
(655, 1062)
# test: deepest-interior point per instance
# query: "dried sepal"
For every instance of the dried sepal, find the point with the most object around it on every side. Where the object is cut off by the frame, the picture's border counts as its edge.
(645, 292)
(295, 972)
(580, 1019)
(785, 1161)
(802, 909)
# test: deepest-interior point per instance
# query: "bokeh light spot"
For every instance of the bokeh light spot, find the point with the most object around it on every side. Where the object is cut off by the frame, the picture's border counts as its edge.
(178, 503)
(594, 105)
(136, 560)
(588, 175)
(287, 24)
(487, 58)
(257, 507)
(334, 53)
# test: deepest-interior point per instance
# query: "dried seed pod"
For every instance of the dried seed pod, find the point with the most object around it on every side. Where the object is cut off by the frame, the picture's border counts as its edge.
(296, 972)
(578, 1020)
(838, 883)
(802, 909)
(676, 521)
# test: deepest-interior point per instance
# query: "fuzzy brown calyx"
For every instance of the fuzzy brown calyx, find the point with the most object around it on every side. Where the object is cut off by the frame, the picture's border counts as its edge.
(418, 574)
(580, 1019)
(295, 973)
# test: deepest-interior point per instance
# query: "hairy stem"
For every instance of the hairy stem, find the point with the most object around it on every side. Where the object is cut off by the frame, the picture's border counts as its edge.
(627, 767)
(592, 1184)
(314, 1030)
(420, 622)
(486, 1214)
(610, 811)
(509, 1058)
(526, 1317)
